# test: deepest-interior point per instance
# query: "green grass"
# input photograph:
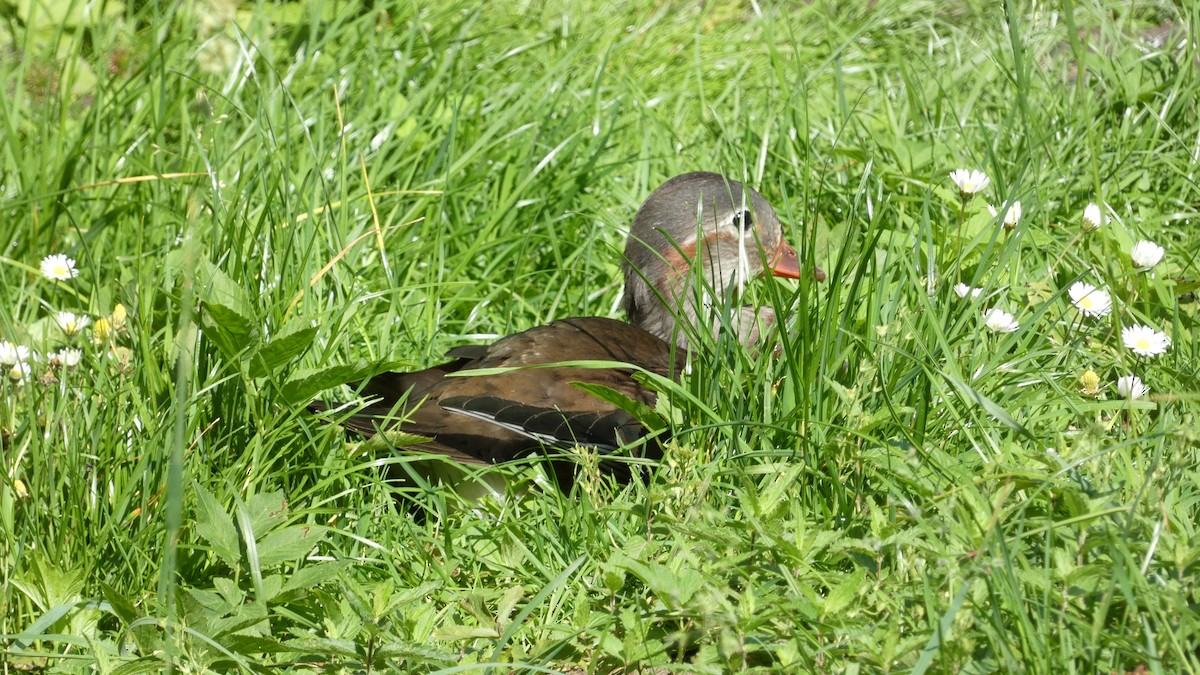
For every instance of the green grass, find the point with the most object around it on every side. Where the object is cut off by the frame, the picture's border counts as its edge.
(281, 195)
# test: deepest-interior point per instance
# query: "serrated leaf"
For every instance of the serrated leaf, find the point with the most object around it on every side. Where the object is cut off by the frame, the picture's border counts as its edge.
(283, 348)
(251, 618)
(454, 632)
(1185, 286)
(305, 384)
(380, 595)
(416, 593)
(408, 651)
(171, 266)
(289, 543)
(125, 610)
(230, 591)
(612, 645)
(323, 647)
(227, 318)
(508, 602)
(266, 511)
(252, 644)
(211, 602)
(148, 664)
(674, 587)
(313, 574)
(215, 526)
(843, 594)
(271, 586)
(780, 490)
(217, 288)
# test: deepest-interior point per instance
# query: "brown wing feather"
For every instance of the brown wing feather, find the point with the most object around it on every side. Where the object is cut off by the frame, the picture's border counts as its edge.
(504, 416)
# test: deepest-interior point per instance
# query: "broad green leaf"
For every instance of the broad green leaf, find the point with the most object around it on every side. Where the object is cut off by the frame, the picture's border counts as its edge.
(227, 318)
(251, 644)
(148, 665)
(324, 647)
(380, 596)
(415, 594)
(121, 606)
(313, 575)
(271, 586)
(411, 651)
(266, 510)
(674, 587)
(215, 526)
(292, 341)
(305, 384)
(289, 543)
(843, 594)
(454, 632)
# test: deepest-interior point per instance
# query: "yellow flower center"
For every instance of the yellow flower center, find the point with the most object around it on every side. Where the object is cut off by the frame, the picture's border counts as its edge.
(102, 329)
(1143, 344)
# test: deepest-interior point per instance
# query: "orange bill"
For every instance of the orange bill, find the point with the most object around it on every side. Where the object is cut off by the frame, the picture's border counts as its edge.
(787, 264)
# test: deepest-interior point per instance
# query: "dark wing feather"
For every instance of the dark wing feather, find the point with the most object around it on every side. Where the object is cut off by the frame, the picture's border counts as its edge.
(604, 431)
(499, 417)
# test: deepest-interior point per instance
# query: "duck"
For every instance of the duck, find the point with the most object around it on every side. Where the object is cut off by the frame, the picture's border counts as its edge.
(520, 396)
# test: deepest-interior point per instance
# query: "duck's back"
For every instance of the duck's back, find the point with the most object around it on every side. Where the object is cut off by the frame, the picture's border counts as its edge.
(502, 401)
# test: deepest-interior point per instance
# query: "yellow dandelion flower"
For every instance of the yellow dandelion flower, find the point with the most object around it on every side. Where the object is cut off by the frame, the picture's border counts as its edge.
(102, 330)
(118, 317)
(1089, 383)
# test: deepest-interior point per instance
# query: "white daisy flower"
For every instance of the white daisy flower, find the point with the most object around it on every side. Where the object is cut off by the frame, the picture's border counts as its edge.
(969, 182)
(18, 371)
(1000, 321)
(1146, 254)
(71, 323)
(1131, 387)
(1011, 217)
(962, 290)
(1090, 300)
(1093, 218)
(1144, 340)
(58, 267)
(11, 354)
(68, 358)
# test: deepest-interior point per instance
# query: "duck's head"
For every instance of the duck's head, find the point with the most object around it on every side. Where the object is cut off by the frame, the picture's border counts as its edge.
(708, 220)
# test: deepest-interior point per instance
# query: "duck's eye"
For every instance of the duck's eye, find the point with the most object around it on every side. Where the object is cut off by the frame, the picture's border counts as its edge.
(743, 221)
